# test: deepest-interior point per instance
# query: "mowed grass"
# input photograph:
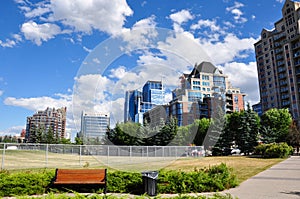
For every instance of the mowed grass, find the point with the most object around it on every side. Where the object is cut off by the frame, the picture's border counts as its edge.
(243, 167)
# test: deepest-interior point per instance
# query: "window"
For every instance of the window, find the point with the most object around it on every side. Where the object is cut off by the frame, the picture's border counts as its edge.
(196, 82)
(205, 77)
(236, 99)
(196, 88)
(205, 84)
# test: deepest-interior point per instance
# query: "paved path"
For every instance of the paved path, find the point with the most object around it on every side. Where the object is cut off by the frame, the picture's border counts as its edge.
(282, 181)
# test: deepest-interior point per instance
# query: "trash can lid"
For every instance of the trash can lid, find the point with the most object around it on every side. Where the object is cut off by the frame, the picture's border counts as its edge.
(150, 174)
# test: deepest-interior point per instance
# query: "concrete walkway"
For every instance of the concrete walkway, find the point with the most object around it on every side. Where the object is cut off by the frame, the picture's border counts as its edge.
(282, 181)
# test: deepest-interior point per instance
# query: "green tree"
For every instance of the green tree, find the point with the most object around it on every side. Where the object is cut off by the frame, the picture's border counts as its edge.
(33, 135)
(40, 135)
(293, 138)
(50, 136)
(275, 124)
(79, 139)
(211, 141)
(198, 130)
(65, 141)
(247, 137)
(119, 137)
(231, 129)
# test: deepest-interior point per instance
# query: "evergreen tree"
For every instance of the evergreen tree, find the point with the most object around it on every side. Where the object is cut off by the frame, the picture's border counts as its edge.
(247, 137)
(50, 136)
(211, 141)
(198, 130)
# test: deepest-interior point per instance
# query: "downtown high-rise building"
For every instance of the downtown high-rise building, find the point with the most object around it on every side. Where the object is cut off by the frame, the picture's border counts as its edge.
(278, 62)
(138, 102)
(49, 119)
(94, 125)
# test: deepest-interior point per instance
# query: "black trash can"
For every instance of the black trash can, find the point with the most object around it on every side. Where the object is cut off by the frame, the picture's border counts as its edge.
(150, 182)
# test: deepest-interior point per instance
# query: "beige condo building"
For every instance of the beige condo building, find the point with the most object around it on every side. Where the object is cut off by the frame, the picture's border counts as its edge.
(278, 62)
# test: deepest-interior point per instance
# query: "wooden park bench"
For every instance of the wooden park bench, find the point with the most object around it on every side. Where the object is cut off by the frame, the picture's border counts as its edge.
(81, 177)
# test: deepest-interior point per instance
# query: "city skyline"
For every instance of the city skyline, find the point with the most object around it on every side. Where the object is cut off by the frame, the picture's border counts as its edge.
(45, 47)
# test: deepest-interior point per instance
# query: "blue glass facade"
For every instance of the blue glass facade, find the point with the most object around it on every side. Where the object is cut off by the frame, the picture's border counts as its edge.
(140, 102)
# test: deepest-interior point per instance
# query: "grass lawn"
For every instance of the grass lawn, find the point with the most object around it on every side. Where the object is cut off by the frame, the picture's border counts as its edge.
(243, 167)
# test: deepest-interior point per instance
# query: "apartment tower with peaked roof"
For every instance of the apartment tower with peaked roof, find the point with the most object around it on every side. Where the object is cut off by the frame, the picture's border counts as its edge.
(278, 62)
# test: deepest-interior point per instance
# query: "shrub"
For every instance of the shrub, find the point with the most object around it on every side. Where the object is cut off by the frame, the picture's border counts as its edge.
(24, 183)
(216, 178)
(274, 150)
(124, 182)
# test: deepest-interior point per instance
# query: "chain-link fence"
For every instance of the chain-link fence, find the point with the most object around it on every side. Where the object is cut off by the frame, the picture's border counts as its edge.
(23, 156)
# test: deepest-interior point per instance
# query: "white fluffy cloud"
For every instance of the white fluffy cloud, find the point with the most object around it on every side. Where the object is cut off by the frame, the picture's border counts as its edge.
(181, 16)
(212, 24)
(119, 72)
(66, 16)
(228, 49)
(237, 13)
(84, 16)
(39, 32)
(38, 103)
(8, 43)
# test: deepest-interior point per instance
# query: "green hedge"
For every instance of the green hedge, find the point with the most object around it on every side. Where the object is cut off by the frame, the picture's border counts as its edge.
(216, 178)
(274, 150)
(24, 183)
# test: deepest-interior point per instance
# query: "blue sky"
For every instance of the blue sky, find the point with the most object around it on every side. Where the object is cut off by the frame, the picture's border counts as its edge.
(86, 54)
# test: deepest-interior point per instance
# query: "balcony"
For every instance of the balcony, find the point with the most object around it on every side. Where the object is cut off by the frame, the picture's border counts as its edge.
(280, 63)
(279, 57)
(297, 54)
(283, 97)
(282, 83)
(281, 76)
(278, 50)
(281, 69)
(285, 103)
(296, 45)
(279, 36)
(284, 89)
(297, 63)
(229, 105)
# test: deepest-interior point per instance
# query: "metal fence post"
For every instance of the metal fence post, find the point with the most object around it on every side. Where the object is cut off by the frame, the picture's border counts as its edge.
(80, 155)
(47, 155)
(3, 156)
(107, 155)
